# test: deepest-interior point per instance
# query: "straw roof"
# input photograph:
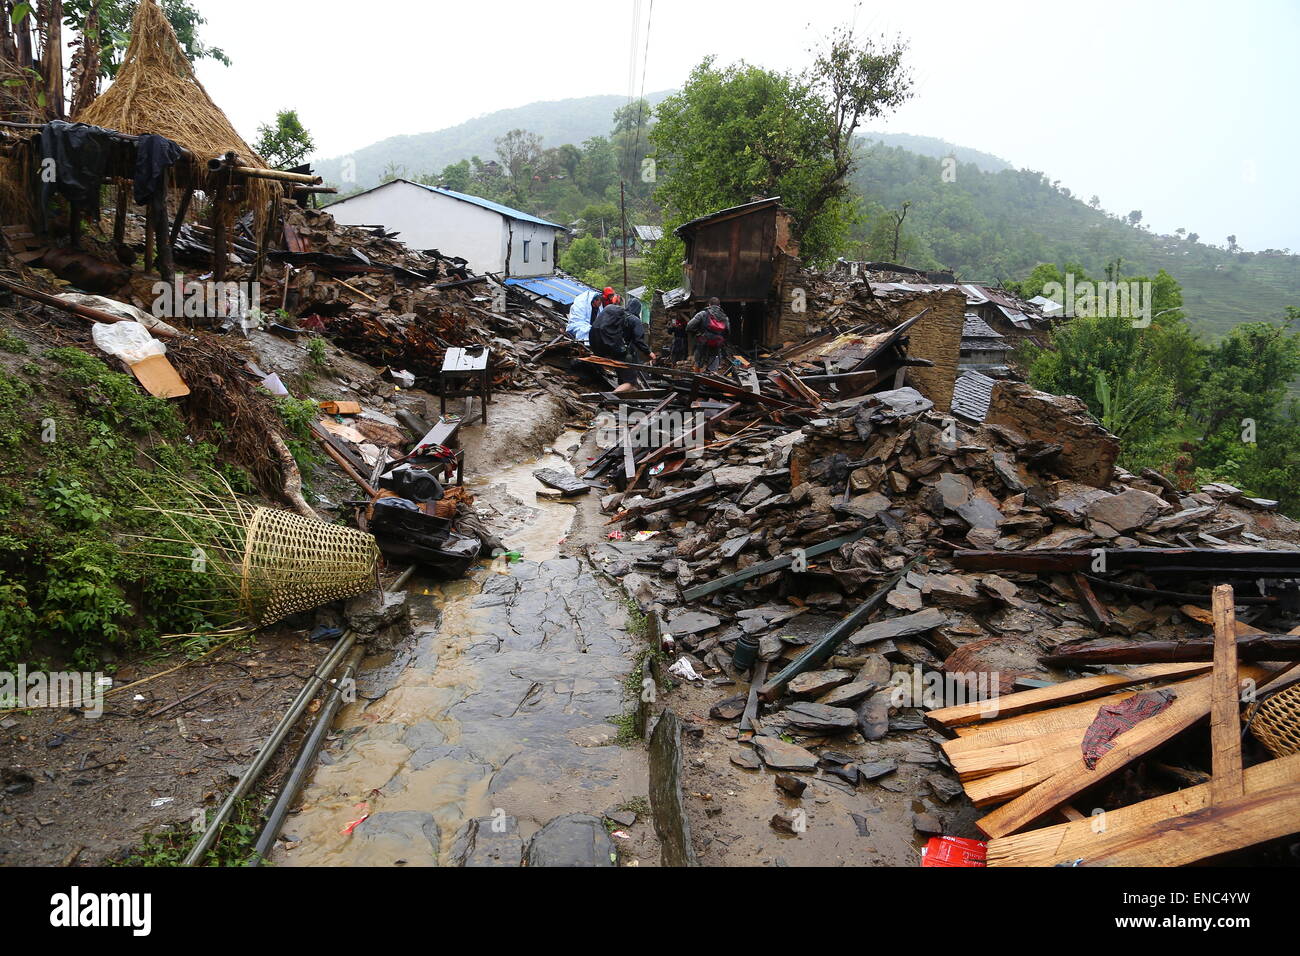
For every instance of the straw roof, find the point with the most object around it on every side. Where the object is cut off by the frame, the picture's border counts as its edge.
(156, 91)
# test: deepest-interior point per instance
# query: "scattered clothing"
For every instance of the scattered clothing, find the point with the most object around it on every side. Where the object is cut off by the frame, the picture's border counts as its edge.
(1115, 719)
(154, 155)
(74, 161)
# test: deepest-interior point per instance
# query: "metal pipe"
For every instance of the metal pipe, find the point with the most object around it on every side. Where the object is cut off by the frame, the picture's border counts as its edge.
(278, 735)
(306, 759)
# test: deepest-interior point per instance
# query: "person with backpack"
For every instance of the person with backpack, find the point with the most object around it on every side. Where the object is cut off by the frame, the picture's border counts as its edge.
(711, 326)
(618, 334)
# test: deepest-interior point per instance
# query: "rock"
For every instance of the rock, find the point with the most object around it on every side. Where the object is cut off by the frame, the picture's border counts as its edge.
(847, 695)
(488, 841)
(624, 818)
(1127, 510)
(790, 785)
(814, 683)
(783, 822)
(818, 717)
(747, 760)
(729, 709)
(869, 505)
(373, 611)
(873, 715)
(905, 598)
(401, 836)
(927, 823)
(908, 624)
(576, 839)
(877, 768)
(779, 755)
(876, 669)
(692, 622)
(954, 490)
(945, 788)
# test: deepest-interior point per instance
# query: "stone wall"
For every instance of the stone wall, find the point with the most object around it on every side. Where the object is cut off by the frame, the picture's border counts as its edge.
(937, 337)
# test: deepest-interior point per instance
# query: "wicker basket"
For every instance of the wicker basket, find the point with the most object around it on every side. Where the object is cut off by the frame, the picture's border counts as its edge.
(1277, 722)
(292, 563)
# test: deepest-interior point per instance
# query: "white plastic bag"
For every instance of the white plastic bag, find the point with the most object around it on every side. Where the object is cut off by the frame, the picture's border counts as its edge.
(128, 341)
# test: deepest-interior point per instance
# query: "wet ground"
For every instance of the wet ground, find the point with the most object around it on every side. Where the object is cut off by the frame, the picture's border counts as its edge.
(502, 706)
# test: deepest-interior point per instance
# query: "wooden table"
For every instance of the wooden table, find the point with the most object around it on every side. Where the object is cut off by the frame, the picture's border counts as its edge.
(465, 375)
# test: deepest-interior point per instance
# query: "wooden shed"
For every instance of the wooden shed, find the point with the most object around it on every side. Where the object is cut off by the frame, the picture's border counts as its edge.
(737, 254)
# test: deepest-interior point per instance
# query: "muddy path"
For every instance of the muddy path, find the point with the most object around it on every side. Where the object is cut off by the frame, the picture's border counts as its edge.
(496, 717)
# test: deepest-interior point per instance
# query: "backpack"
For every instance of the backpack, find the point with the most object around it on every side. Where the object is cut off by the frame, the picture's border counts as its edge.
(715, 325)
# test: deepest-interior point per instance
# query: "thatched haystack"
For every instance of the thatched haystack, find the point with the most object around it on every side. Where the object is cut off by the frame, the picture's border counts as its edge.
(156, 91)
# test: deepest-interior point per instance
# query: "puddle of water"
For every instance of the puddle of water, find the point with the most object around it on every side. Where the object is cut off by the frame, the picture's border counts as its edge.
(541, 532)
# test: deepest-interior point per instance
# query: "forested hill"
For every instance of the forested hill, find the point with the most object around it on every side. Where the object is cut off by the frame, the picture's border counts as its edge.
(992, 226)
(989, 222)
(556, 121)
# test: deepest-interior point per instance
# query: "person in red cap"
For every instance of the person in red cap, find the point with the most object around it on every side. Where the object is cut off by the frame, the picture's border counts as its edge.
(607, 297)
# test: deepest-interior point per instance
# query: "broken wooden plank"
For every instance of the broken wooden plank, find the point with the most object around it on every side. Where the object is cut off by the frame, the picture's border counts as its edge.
(1096, 611)
(1191, 706)
(1009, 705)
(1203, 561)
(1225, 708)
(1086, 839)
(1259, 647)
(767, 567)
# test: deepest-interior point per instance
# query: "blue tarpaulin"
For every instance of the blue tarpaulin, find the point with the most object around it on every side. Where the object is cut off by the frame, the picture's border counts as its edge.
(559, 289)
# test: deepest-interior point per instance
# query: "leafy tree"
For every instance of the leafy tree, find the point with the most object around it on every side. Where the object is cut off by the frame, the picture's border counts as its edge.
(736, 133)
(1247, 376)
(520, 153)
(285, 144)
(583, 258)
(114, 30)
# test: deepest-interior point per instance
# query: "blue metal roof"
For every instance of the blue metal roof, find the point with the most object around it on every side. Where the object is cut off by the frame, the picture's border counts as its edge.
(489, 204)
(562, 289)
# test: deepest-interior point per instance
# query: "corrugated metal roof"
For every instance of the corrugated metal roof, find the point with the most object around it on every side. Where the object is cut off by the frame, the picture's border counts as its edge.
(557, 288)
(971, 394)
(729, 211)
(649, 233)
(489, 204)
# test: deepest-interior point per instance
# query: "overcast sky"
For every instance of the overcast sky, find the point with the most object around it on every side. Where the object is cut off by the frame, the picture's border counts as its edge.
(1185, 110)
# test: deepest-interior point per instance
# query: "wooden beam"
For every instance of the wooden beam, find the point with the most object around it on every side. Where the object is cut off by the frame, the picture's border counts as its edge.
(1225, 709)
(1191, 706)
(1009, 705)
(1085, 839)
(1212, 831)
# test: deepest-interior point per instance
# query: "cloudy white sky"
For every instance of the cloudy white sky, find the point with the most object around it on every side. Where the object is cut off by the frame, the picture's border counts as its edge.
(1185, 110)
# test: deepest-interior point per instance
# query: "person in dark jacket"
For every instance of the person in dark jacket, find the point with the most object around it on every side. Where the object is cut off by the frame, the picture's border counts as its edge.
(618, 334)
(710, 326)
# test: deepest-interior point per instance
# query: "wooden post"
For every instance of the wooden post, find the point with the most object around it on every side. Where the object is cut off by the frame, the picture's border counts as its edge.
(1225, 707)
(119, 216)
(622, 207)
(158, 222)
(220, 247)
(180, 215)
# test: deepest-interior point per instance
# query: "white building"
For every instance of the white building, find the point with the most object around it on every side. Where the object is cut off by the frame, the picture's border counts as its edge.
(491, 237)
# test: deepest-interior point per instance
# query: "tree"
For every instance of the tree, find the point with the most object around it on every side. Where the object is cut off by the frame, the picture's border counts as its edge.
(520, 153)
(736, 133)
(285, 144)
(1135, 218)
(1247, 376)
(583, 257)
(1232, 244)
(114, 29)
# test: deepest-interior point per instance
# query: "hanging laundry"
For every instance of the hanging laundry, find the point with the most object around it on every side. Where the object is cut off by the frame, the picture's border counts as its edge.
(154, 155)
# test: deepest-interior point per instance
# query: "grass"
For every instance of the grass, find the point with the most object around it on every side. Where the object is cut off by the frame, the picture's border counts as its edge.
(233, 846)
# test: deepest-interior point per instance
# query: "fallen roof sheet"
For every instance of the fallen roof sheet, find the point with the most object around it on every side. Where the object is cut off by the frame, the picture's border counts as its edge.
(557, 288)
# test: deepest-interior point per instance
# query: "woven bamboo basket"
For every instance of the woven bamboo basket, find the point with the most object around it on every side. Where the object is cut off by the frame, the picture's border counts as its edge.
(1277, 722)
(292, 563)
